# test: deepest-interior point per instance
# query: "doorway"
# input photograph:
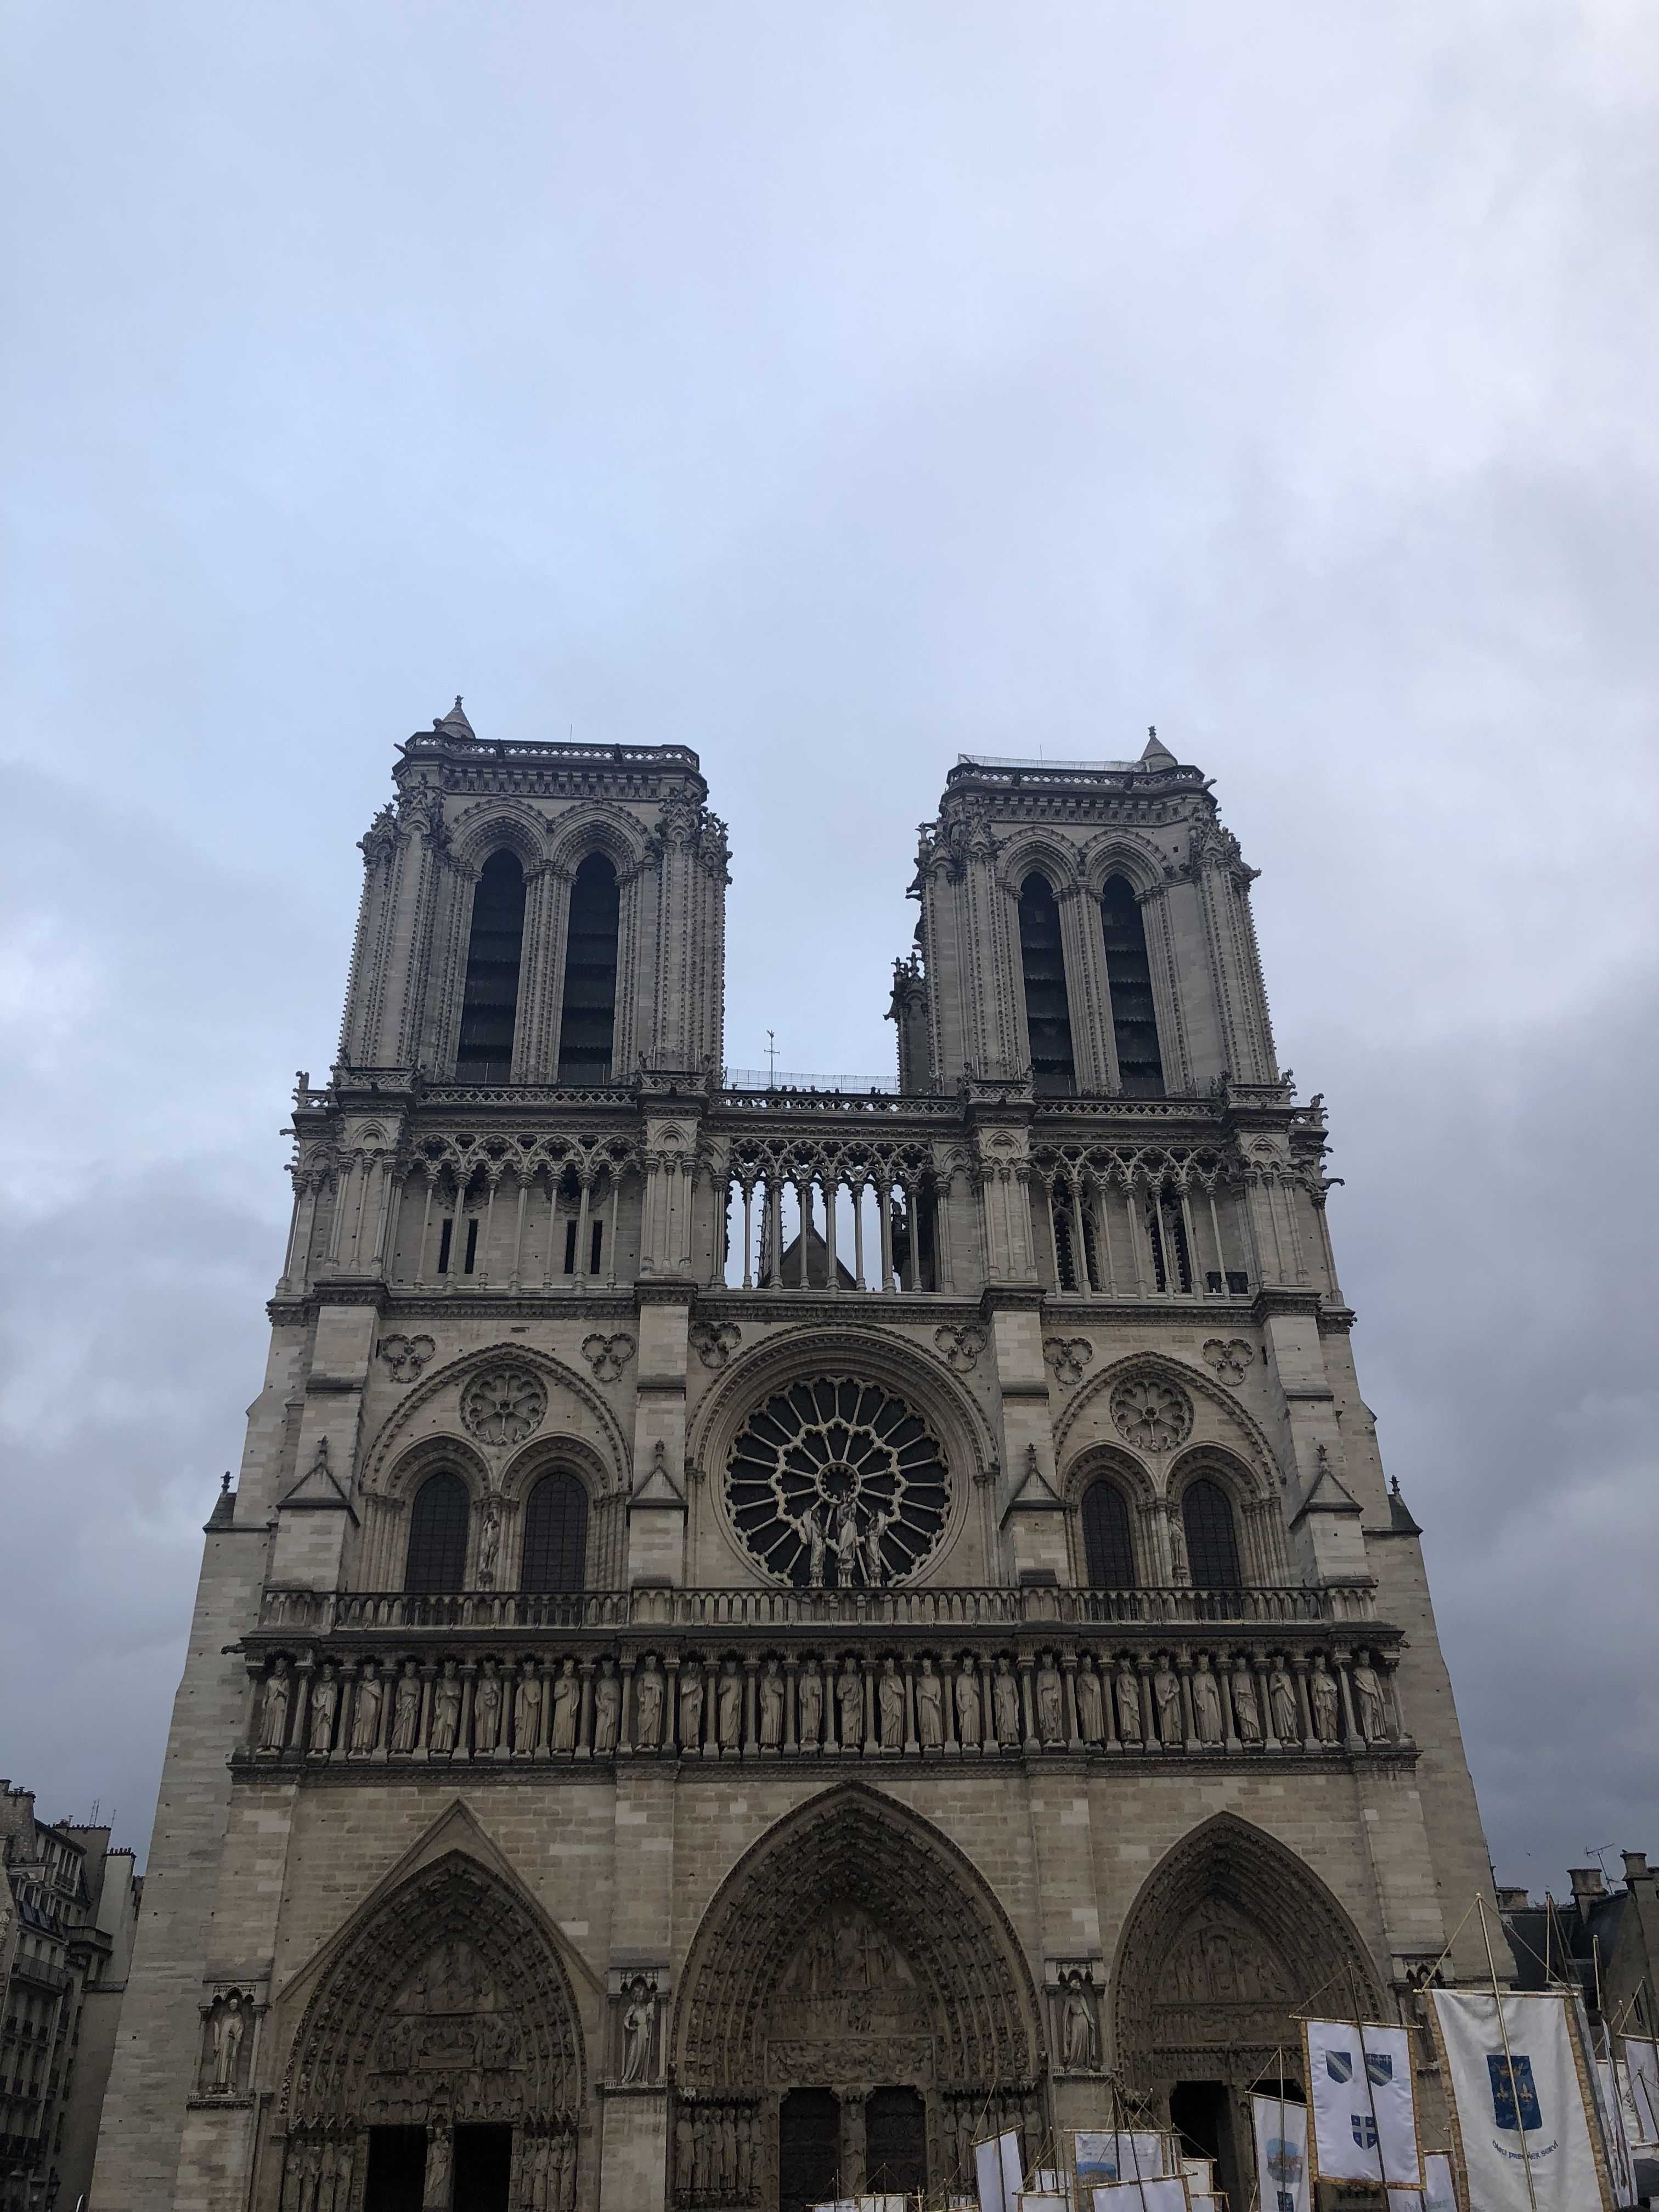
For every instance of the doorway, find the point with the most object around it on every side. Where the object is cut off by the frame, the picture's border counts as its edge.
(808, 2149)
(483, 2169)
(1202, 2112)
(396, 2170)
(894, 2141)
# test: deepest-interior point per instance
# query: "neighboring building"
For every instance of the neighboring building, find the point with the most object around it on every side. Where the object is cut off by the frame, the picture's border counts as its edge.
(765, 1631)
(69, 1914)
(1606, 1940)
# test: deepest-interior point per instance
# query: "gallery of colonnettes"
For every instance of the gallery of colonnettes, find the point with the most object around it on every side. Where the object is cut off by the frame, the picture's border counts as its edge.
(766, 1630)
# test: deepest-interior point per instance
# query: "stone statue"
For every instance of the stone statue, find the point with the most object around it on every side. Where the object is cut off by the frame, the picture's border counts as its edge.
(1078, 2051)
(967, 1709)
(648, 1707)
(1368, 1694)
(490, 1542)
(683, 2150)
(1005, 1706)
(875, 1573)
(1090, 1710)
(728, 1707)
(811, 1697)
(1323, 1699)
(366, 1713)
(1246, 1713)
(229, 2026)
(567, 2173)
(1129, 1705)
(890, 1700)
(607, 1711)
(1281, 1705)
(1166, 1702)
(728, 2147)
(810, 1528)
(324, 1703)
(745, 2158)
(638, 2020)
(487, 1710)
(439, 2180)
(1051, 1724)
(849, 1698)
(930, 1709)
(1208, 1724)
(273, 1708)
(445, 1709)
(566, 1707)
(844, 1543)
(771, 1707)
(406, 1709)
(691, 1704)
(527, 1710)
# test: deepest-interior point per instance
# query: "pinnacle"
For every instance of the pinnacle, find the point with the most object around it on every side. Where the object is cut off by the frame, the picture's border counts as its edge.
(1155, 754)
(454, 723)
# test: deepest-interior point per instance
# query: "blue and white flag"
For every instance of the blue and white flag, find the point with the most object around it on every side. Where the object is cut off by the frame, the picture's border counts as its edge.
(1281, 2154)
(1524, 2133)
(1365, 2113)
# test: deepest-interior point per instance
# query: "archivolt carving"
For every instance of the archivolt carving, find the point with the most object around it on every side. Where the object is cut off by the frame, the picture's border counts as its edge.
(850, 1862)
(497, 824)
(1227, 1423)
(1037, 852)
(597, 827)
(1117, 852)
(456, 1374)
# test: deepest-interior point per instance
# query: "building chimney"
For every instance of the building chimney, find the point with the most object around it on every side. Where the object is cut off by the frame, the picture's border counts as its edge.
(1588, 1887)
(1636, 1866)
(1513, 1900)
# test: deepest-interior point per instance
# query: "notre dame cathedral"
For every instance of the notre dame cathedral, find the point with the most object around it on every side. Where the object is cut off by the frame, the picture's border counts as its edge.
(765, 1631)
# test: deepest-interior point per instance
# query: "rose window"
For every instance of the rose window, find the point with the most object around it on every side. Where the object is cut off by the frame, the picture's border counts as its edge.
(1155, 1415)
(837, 1484)
(504, 1406)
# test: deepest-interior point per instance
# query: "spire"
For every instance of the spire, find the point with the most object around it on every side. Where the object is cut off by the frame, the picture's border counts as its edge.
(454, 724)
(1157, 755)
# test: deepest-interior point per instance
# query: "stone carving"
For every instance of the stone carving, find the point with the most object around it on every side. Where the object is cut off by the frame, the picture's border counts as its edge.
(1166, 1704)
(607, 1711)
(1078, 2025)
(1090, 1705)
(690, 1706)
(227, 2031)
(366, 1713)
(648, 1707)
(889, 1704)
(567, 1708)
(960, 1348)
(1068, 1355)
(811, 1700)
(714, 1342)
(489, 1541)
(607, 1356)
(1229, 1356)
(526, 1711)
(728, 1707)
(1005, 1706)
(273, 1707)
(1281, 1705)
(487, 1710)
(1324, 1699)
(504, 1405)
(406, 1709)
(968, 1720)
(324, 1706)
(439, 2147)
(1373, 1715)
(1051, 1725)
(1153, 1413)
(930, 1708)
(445, 1728)
(1246, 1713)
(1207, 1722)
(850, 1700)
(771, 1707)
(1129, 1705)
(405, 1356)
(638, 2029)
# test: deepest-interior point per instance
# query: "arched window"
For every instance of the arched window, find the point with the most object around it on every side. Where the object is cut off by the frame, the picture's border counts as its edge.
(1129, 977)
(437, 1535)
(1207, 1514)
(1109, 1550)
(1048, 1017)
(556, 1535)
(588, 1022)
(490, 1008)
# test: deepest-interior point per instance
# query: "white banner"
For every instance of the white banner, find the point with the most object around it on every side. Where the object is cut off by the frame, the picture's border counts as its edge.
(1365, 2113)
(1642, 2060)
(1520, 2109)
(1168, 2194)
(1437, 2194)
(1614, 2139)
(1281, 2154)
(1116, 2154)
(997, 2172)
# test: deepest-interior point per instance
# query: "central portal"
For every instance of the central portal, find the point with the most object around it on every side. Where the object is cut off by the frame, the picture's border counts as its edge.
(809, 2149)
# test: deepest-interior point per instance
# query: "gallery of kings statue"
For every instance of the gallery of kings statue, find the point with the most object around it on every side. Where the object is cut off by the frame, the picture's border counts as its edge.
(766, 1630)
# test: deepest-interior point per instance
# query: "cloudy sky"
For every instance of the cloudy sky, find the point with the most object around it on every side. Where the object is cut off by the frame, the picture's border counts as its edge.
(832, 389)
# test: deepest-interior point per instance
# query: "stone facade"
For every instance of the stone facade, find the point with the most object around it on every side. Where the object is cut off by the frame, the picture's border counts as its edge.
(763, 1632)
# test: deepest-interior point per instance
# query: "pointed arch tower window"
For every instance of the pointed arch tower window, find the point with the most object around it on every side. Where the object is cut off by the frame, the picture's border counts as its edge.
(556, 1535)
(1206, 1516)
(1048, 1015)
(490, 1005)
(1129, 977)
(1109, 1549)
(437, 1535)
(587, 1023)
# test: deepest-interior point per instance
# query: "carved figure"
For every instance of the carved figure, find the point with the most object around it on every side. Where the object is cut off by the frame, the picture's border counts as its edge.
(1166, 1703)
(1281, 1705)
(1128, 1704)
(844, 1543)
(691, 1704)
(366, 1713)
(527, 1710)
(771, 1707)
(1368, 1694)
(849, 1699)
(1246, 1712)
(967, 1709)
(445, 1709)
(745, 2157)
(648, 1707)
(1207, 1704)
(930, 1708)
(406, 1709)
(682, 2152)
(889, 1699)
(1091, 1708)
(273, 1708)
(1078, 2045)
(1005, 1706)
(1323, 1697)
(566, 1707)
(607, 1711)
(728, 2147)
(1051, 1725)
(324, 1703)
(639, 2017)
(490, 1542)
(439, 2147)
(487, 1710)
(809, 1696)
(875, 1528)
(728, 1707)
(229, 2026)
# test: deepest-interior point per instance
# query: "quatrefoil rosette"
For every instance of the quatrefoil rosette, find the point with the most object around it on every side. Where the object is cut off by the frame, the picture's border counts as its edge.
(503, 1404)
(1154, 1415)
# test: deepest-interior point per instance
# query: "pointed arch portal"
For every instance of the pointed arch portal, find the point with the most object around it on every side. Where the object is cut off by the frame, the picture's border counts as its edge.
(855, 2010)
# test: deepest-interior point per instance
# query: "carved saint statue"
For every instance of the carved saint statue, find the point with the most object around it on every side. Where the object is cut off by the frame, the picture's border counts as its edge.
(1281, 1705)
(968, 1711)
(1129, 1705)
(811, 1698)
(273, 1708)
(639, 2018)
(487, 1710)
(1077, 2049)
(728, 2148)
(229, 2026)
(1246, 1712)
(889, 1699)
(1005, 1706)
(366, 1713)
(527, 1710)
(1323, 1699)
(1090, 1710)
(607, 1711)
(490, 1542)
(771, 1707)
(1368, 1694)
(850, 1699)
(683, 2148)
(1207, 1703)
(809, 1526)
(930, 1708)
(567, 1708)
(445, 1709)
(1166, 1700)
(648, 1707)
(745, 2158)
(876, 1528)
(728, 1707)
(439, 2148)
(844, 1543)
(691, 1704)
(1051, 1725)
(406, 1709)
(324, 1703)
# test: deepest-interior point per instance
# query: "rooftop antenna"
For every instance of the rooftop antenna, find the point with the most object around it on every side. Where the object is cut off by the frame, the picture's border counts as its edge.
(772, 1058)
